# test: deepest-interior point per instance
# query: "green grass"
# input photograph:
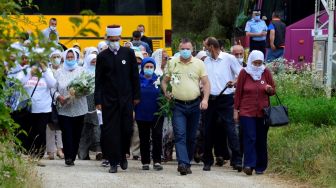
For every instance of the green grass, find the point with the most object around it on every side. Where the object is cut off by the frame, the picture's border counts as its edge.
(16, 172)
(304, 152)
(306, 149)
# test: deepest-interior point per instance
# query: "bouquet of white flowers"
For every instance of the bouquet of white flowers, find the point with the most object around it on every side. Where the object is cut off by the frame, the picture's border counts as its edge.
(83, 85)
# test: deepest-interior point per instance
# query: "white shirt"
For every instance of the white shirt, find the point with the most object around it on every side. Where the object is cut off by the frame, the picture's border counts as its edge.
(78, 106)
(220, 71)
(41, 100)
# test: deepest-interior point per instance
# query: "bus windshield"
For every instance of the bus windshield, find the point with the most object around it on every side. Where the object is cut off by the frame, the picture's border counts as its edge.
(100, 7)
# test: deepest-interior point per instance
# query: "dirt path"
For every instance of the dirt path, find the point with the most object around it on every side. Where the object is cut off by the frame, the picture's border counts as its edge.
(91, 174)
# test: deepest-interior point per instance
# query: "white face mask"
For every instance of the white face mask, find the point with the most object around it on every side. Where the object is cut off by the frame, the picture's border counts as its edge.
(53, 28)
(114, 45)
(240, 60)
(142, 33)
(57, 61)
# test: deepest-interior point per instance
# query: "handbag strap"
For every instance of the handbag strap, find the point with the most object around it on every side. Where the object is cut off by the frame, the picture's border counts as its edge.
(35, 88)
(278, 99)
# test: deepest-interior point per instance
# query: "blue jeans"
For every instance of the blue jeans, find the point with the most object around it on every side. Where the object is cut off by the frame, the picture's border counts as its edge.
(274, 54)
(255, 142)
(186, 119)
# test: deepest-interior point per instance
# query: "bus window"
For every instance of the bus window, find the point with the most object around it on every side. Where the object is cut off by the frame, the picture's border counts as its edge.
(100, 7)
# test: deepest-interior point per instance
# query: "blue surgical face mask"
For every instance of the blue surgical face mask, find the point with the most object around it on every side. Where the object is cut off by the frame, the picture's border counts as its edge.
(257, 18)
(70, 63)
(91, 69)
(148, 72)
(185, 54)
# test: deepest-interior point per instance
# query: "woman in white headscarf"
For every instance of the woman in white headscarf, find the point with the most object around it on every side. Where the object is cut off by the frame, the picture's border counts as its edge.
(90, 138)
(161, 58)
(254, 86)
(90, 50)
(54, 133)
(90, 63)
(70, 113)
(102, 45)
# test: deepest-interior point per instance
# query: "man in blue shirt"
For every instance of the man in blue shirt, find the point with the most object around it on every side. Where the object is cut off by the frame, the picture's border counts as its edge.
(256, 29)
(275, 38)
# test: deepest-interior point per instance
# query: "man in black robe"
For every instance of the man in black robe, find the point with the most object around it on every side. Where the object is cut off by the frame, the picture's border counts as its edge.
(117, 90)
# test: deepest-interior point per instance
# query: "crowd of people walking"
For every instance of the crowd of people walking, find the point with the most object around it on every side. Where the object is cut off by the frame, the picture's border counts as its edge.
(218, 103)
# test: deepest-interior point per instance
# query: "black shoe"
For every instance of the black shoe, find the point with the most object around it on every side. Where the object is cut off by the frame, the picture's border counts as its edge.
(197, 158)
(239, 168)
(219, 161)
(206, 167)
(69, 162)
(99, 157)
(183, 170)
(113, 169)
(124, 164)
(136, 157)
(157, 166)
(248, 170)
(189, 170)
(145, 167)
(105, 163)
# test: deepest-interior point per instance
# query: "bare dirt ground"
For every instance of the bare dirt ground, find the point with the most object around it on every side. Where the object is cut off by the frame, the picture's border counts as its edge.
(90, 174)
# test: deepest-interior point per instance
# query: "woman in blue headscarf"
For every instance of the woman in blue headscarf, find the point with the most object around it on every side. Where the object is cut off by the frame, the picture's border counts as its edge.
(145, 115)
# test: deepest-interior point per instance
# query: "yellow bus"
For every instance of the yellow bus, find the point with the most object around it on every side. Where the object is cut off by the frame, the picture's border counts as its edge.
(155, 15)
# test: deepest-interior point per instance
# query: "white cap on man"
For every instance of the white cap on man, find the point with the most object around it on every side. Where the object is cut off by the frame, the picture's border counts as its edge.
(113, 30)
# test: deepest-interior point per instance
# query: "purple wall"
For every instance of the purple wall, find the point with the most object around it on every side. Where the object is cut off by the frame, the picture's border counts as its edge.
(299, 40)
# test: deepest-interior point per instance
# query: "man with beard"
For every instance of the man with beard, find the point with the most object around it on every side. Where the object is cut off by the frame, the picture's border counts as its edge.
(117, 90)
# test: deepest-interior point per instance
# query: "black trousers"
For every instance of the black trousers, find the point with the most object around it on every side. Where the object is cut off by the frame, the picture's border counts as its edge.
(71, 133)
(221, 140)
(34, 125)
(221, 108)
(258, 45)
(116, 131)
(145, 129)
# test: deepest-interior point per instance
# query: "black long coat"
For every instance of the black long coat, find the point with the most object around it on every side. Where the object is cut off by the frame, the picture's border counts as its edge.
(117, 85)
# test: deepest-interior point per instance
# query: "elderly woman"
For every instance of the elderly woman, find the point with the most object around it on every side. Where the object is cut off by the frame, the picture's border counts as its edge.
(161, 59)
(145, 118)
(254, 86)
(54, 133)
(90, 138)
(102, 45)
(71, 110)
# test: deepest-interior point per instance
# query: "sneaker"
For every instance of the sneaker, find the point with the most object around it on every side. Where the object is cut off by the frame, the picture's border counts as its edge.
(105, 163)
(145, 167)
(157, 166)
